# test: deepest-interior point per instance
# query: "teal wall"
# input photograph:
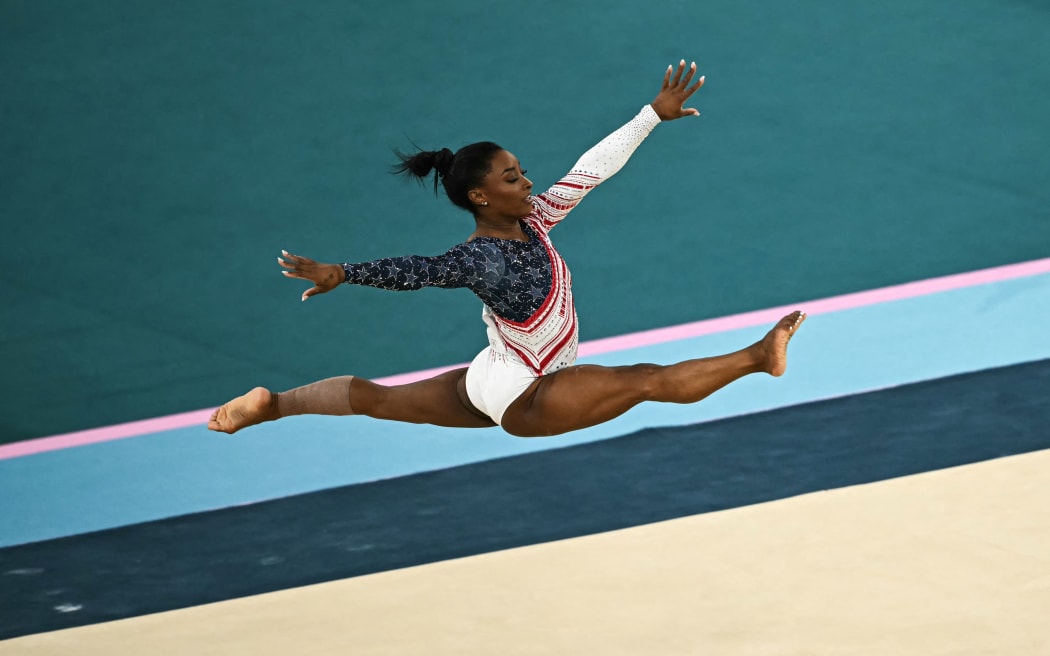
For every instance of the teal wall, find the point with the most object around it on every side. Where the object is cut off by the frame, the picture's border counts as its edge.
(157, 156)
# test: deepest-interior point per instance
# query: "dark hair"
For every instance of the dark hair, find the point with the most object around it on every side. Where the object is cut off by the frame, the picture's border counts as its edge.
(458, 173)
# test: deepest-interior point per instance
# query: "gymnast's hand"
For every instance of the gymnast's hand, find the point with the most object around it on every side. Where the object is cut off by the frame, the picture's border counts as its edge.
(668, 103)
(325, 277)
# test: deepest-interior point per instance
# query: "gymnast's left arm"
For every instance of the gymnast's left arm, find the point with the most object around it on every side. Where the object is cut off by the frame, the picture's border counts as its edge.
(610, 154)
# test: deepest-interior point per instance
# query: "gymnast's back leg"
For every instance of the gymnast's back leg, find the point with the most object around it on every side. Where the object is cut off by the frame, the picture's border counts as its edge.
(441, 400)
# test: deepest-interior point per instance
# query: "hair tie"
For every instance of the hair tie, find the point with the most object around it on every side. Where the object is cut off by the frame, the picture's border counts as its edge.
(443, 161)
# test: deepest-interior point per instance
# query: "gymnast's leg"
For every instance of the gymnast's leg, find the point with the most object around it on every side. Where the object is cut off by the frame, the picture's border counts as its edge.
(441, 400)
(587, 395)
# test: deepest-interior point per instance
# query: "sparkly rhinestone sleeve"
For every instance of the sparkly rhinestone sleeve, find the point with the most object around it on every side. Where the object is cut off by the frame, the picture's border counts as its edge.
(464, 265)
(513, 278)
(596, 165)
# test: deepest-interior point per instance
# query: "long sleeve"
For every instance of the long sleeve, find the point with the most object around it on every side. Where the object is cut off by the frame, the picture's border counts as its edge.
(513, 278)
(595, 166)
(464, 265)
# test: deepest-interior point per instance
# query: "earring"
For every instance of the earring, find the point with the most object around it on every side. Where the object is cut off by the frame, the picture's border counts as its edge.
(485, 203)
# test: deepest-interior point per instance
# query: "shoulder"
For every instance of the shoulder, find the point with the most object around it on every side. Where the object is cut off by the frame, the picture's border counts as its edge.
(477, 250)
(476, 246)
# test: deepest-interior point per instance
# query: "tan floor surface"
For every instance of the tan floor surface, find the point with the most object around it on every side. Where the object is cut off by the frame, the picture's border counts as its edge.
(949, 562)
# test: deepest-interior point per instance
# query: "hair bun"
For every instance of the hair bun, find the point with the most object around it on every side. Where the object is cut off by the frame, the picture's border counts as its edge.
(443, 161)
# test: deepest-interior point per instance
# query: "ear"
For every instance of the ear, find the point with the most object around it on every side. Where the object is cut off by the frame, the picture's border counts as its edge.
(476, 196)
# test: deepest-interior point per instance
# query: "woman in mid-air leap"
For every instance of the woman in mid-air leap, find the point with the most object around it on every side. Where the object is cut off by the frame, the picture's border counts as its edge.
(526, 380)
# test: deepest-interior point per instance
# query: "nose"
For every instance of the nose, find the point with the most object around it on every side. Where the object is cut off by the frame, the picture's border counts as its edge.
(528, 183)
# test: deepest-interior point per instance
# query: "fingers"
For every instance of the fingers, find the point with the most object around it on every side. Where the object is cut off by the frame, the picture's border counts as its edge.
(678, 73)
(692, 111)
(297, 258)
(296, 265)
(692, 72)
(667, 78)
(294, 258)
(680, 82)
(693, 89)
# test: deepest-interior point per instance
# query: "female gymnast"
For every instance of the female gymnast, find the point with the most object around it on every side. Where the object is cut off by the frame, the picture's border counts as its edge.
(526, 380)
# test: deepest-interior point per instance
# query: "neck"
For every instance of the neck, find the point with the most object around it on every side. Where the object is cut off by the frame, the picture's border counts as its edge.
(506, 229)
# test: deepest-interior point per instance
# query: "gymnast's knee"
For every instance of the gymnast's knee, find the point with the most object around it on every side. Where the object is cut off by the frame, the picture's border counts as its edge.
(644, 380)
(369, 399)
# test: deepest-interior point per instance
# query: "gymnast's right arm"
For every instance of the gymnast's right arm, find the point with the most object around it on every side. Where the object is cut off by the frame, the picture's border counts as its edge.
(461, 266)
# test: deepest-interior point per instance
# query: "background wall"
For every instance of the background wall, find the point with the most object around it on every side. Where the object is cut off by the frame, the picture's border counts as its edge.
(155, 158)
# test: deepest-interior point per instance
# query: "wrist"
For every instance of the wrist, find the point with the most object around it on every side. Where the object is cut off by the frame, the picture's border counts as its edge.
(650, 115)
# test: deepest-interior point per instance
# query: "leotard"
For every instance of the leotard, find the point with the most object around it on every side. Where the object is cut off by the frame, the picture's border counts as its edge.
(526, 287)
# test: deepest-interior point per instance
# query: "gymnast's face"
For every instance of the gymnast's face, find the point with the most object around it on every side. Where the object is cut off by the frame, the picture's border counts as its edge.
(505, 188)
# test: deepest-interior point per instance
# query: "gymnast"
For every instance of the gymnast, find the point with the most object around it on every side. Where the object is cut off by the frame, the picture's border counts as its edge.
(526, 380)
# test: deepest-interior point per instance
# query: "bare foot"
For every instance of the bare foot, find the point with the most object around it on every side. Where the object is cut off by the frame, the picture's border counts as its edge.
(253, 408)
(775, 343)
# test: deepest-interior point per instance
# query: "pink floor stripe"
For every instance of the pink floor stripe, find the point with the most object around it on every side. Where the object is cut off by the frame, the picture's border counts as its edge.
(822, 306)
(595, 347)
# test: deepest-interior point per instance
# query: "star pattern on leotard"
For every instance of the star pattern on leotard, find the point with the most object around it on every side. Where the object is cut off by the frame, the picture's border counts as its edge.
(512, 277)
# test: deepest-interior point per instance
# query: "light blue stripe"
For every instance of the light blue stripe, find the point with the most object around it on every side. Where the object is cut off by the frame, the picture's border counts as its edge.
(189, 470)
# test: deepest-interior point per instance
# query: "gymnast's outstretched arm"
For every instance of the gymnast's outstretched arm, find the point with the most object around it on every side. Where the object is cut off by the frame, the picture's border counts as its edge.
(609, 155)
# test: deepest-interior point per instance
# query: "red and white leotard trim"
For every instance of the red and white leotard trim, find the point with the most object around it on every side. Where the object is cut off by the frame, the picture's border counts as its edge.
(548, 340)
